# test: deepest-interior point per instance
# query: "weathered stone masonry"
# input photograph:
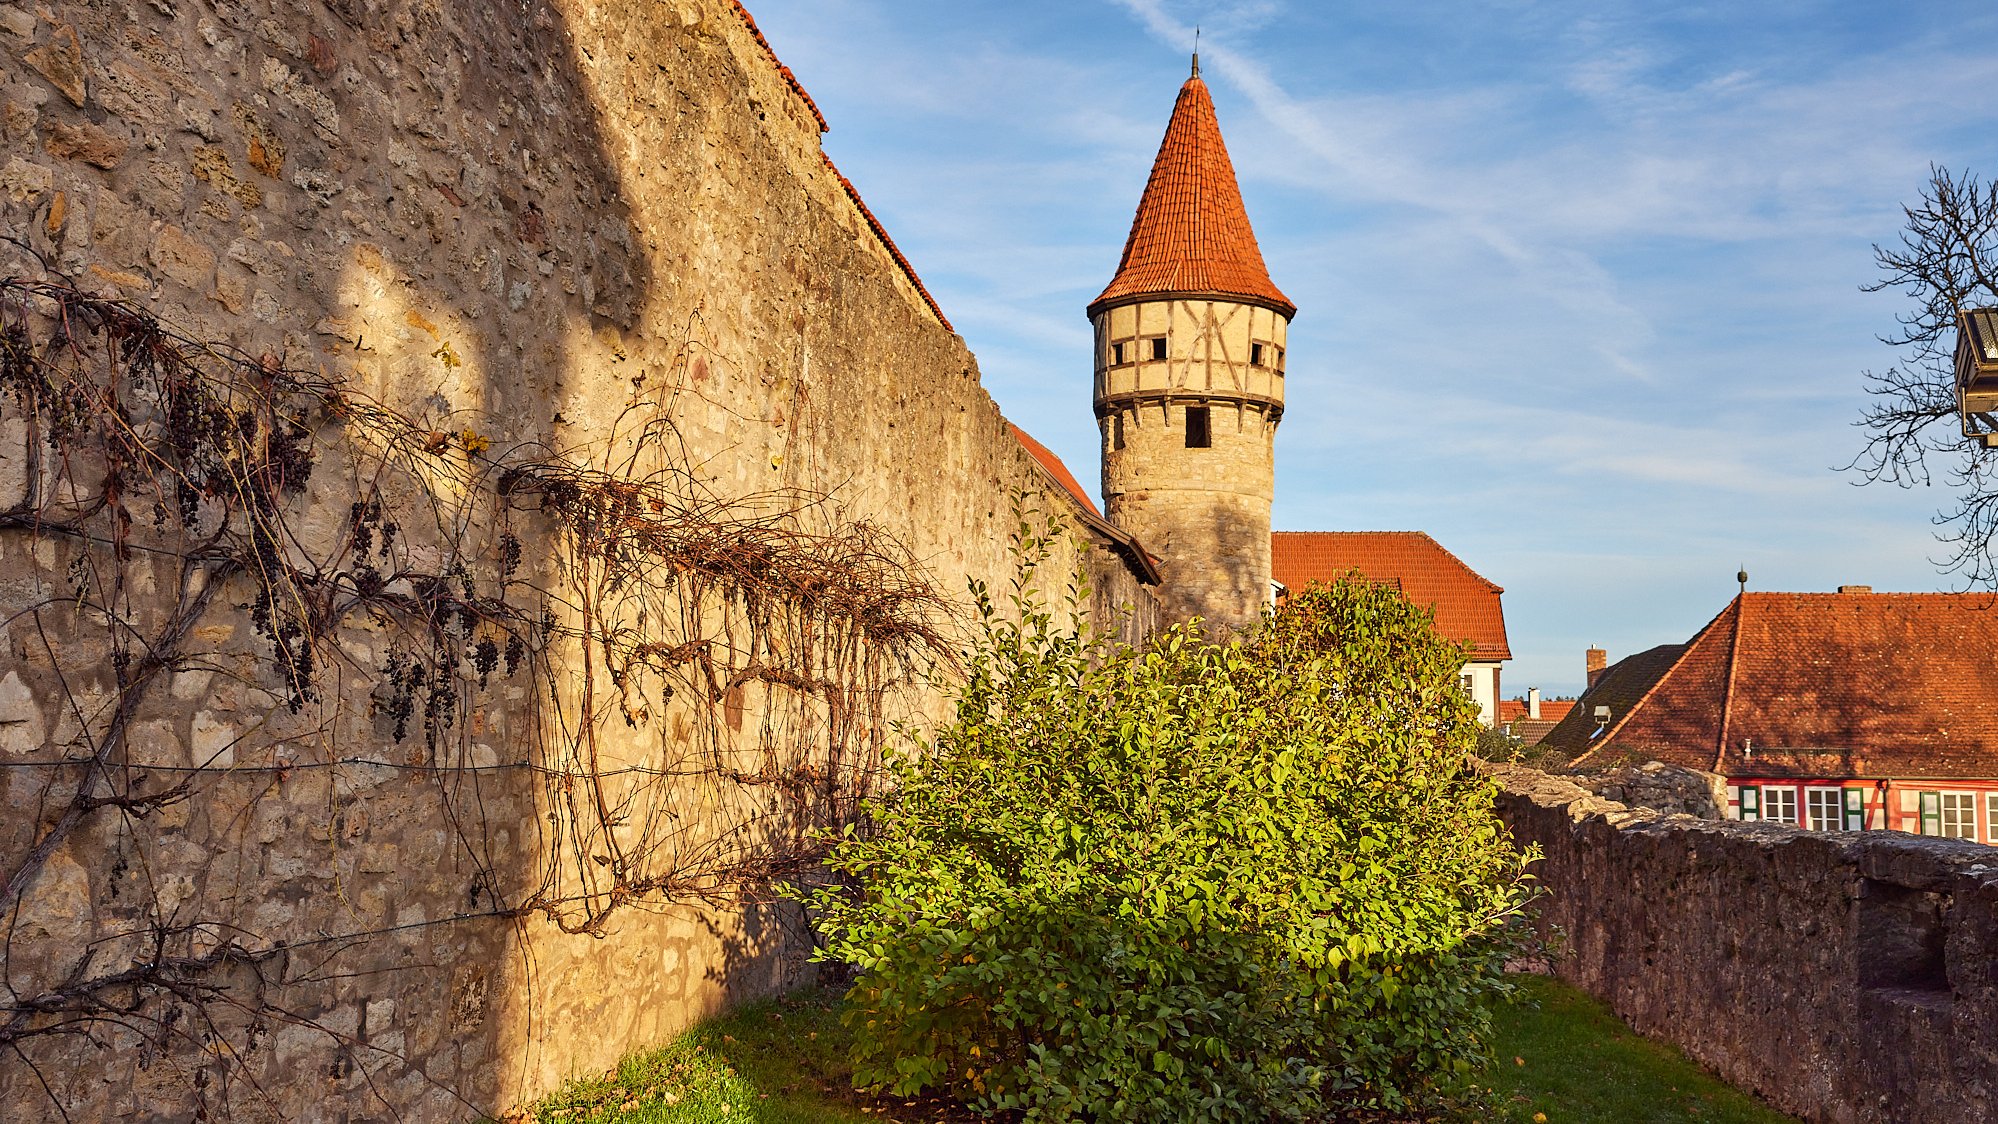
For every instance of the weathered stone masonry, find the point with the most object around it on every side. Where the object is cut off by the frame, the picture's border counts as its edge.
(539, 226)
(1843, 977)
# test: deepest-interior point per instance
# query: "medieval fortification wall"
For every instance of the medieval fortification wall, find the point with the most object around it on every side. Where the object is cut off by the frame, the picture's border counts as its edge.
(1843, 977)
(556, 486)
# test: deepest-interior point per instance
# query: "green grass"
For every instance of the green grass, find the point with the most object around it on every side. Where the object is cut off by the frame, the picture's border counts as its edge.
(778, 1062)
(1569, 1059)
(1562, 1055)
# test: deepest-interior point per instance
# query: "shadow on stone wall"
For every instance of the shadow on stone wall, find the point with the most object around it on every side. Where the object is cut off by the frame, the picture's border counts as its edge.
(568, 250)
(438, 206)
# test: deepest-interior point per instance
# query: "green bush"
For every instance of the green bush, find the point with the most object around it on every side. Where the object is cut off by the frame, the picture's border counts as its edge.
(1196, 882)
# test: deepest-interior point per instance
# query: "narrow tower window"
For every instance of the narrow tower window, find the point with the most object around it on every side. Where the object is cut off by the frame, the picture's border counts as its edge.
(1116, 355)
(1117, 431)
(1158, 347)
(1256, 354)
(1196, 427)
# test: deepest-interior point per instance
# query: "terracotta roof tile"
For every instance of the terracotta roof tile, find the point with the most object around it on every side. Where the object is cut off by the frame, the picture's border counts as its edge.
(790, 79)
(1054, 468)
(1551, 710)
(1830, 685)
(1467, 606)
(1192, 233)
(1620, 687)
(852, 193)
(1143, 565)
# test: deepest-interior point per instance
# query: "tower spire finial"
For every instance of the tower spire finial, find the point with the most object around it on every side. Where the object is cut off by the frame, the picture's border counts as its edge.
(1196, 51)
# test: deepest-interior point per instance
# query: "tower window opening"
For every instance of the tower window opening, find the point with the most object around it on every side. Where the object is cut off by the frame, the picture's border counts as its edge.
(1197, 436)
(1158, 347)
(1117, 431)
(1117, 354)
(1257, 353)
(1276, 359)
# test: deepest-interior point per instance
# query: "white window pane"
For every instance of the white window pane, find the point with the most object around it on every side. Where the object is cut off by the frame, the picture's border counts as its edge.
(1959, 815)
(1826, 808)
(1779, 804)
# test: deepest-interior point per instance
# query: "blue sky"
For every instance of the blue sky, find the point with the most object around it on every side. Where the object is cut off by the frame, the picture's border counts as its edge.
(1578, 281)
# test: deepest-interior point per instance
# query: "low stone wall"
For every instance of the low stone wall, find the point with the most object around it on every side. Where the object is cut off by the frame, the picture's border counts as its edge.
(1841, 977)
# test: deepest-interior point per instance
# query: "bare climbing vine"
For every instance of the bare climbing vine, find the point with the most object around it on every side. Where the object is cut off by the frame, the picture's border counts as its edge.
(620, 688)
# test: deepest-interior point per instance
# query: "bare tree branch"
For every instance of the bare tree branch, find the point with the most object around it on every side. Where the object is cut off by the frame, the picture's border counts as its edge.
(1945, 261)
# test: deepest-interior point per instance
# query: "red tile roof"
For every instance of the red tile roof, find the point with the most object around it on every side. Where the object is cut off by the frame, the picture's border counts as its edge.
(888, 243)
(1192, 234)
(1831, 685)
(790, 79)
(1143, 565)
(1055, 468)
(1619, 687)
(852, 193)
(1551, 710)
(1467, 606)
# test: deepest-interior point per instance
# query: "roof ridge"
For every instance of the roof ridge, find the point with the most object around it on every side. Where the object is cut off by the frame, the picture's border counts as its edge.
(1425, 535)
(1833, 594)
(1727, 692)
(888, 242)
(790, 79)
(1058, 470)
(1678, 661)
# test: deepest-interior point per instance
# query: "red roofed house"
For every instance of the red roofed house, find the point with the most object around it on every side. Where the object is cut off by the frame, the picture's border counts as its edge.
(1534, 709)
(1467, 606)
(1531, 718)
(1833, 711)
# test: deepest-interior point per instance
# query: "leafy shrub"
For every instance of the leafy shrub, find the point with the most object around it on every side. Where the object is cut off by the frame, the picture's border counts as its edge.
(1196, 882)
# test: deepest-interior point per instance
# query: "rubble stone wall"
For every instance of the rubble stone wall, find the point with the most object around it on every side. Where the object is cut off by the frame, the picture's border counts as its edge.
(1661, 788)
(531, 226)
(1842, 977)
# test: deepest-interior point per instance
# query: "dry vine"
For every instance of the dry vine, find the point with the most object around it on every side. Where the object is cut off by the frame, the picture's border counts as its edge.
(507, 614)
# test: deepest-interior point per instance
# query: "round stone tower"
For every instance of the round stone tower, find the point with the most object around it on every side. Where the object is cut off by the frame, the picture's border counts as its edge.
(1190, 349)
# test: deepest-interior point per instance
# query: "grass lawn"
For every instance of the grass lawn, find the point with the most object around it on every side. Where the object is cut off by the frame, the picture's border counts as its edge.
(1569, 1060)
(1563, 1060)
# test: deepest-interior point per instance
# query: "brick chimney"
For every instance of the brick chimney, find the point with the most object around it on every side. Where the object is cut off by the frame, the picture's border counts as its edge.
(1596, 660)
(1533, 702)
(1855, 589)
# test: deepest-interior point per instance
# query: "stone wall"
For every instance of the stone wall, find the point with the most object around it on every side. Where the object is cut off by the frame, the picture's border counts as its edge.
(596, 238)
(1670, 789)
(1842, 977)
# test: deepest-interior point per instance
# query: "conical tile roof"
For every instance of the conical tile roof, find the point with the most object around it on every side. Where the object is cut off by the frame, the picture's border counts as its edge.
(1192, 233)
